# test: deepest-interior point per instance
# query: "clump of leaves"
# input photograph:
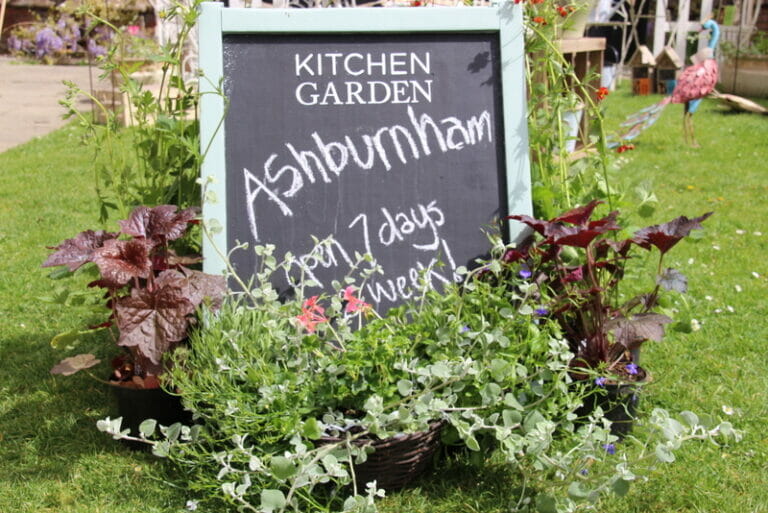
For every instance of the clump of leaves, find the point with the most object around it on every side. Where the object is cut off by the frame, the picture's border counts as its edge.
(150, 291)
(578, 267)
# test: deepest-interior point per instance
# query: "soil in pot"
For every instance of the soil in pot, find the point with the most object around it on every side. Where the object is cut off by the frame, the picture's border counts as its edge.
(135, 405)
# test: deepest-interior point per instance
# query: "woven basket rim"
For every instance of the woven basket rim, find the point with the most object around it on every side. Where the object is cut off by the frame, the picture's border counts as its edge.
(434, 428)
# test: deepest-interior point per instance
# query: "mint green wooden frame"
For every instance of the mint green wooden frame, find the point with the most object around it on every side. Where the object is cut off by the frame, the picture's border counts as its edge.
(215, 21)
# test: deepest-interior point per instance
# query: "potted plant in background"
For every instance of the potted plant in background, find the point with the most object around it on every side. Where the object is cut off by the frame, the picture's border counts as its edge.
(152, 295)
(578, 266)
(744, 69)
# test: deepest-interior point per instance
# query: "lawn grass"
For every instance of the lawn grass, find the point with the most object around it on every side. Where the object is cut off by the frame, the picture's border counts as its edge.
(52, 459)
(51, 456)
(721, 366)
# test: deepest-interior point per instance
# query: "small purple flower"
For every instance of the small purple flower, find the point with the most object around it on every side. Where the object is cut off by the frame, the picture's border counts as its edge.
(525, 273)
(541, 312)
(600, 381)
(464, 329)
(583, 472)
(632, 368)
(609, 448)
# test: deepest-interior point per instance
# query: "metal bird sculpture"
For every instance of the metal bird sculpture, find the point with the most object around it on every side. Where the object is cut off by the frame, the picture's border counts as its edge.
(695, 82)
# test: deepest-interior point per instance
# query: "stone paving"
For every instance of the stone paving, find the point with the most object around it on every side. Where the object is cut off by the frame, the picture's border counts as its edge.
(29, 99)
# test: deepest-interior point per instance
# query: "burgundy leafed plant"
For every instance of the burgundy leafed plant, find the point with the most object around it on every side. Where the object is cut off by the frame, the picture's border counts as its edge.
(578, 265)
(152, 295)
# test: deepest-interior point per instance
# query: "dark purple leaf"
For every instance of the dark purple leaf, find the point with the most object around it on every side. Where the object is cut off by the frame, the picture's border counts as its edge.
(579, 215)
(79, 250)
(672, 279)
(581, 235)
(621, 247)
(665, 236)
(152, 322)
(512, 255)
(573, 236)
(206, 287)
(607, 223)
(631, 333)
(537, 224)
(158, 223)
(122, 260)
(576, 274)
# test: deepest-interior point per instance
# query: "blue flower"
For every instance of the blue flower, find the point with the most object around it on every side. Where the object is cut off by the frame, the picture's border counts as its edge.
(609, 448)
(524, 273)
(583, 472)
(631, 368)
(464, 329)
(600, 381)
(541, 312)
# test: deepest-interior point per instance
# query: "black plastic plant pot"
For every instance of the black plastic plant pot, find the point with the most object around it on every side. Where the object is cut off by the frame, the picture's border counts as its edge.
(619, 405)
(135, 405)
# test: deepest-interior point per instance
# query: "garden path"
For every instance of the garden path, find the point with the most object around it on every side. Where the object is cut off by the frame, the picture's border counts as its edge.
(29, 99)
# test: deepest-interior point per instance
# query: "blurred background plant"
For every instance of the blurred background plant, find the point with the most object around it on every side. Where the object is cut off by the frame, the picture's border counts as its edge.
(758, 45)
(67, 34)
(144, 127)
(570, 162)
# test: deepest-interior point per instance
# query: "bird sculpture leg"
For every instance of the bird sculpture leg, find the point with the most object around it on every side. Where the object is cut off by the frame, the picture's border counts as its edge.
(688, 132)
(694, 143)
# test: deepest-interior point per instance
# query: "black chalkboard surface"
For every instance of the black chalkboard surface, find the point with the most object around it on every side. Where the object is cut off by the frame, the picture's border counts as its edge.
(400, 132)
(390, 143)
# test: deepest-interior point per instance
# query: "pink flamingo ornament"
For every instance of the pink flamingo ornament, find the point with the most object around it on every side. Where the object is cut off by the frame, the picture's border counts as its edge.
(695, 82)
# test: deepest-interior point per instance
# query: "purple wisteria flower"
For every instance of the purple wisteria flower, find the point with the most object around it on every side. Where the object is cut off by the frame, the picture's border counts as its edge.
(609, 448)
(95, 49)
(632, 368)
(14, 43)
(600, 381)
(524, 273)
(47, 42)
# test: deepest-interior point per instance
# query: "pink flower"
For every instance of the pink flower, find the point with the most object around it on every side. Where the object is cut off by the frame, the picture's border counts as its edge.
(133, 30)
(312, 314)
(353, 303)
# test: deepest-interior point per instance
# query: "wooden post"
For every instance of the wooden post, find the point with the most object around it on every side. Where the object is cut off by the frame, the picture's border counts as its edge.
(681, 29)
(659, 27)
(2, 16)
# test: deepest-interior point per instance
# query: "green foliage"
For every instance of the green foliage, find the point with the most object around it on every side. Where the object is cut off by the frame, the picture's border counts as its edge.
(562, 179)
(157, 159)
(285, 389)
(758, 46)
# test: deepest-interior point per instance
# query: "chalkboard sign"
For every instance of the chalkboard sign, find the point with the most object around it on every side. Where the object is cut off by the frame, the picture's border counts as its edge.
(396, 140)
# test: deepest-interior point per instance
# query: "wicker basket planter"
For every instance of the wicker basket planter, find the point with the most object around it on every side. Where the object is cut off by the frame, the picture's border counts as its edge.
(398, 460)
